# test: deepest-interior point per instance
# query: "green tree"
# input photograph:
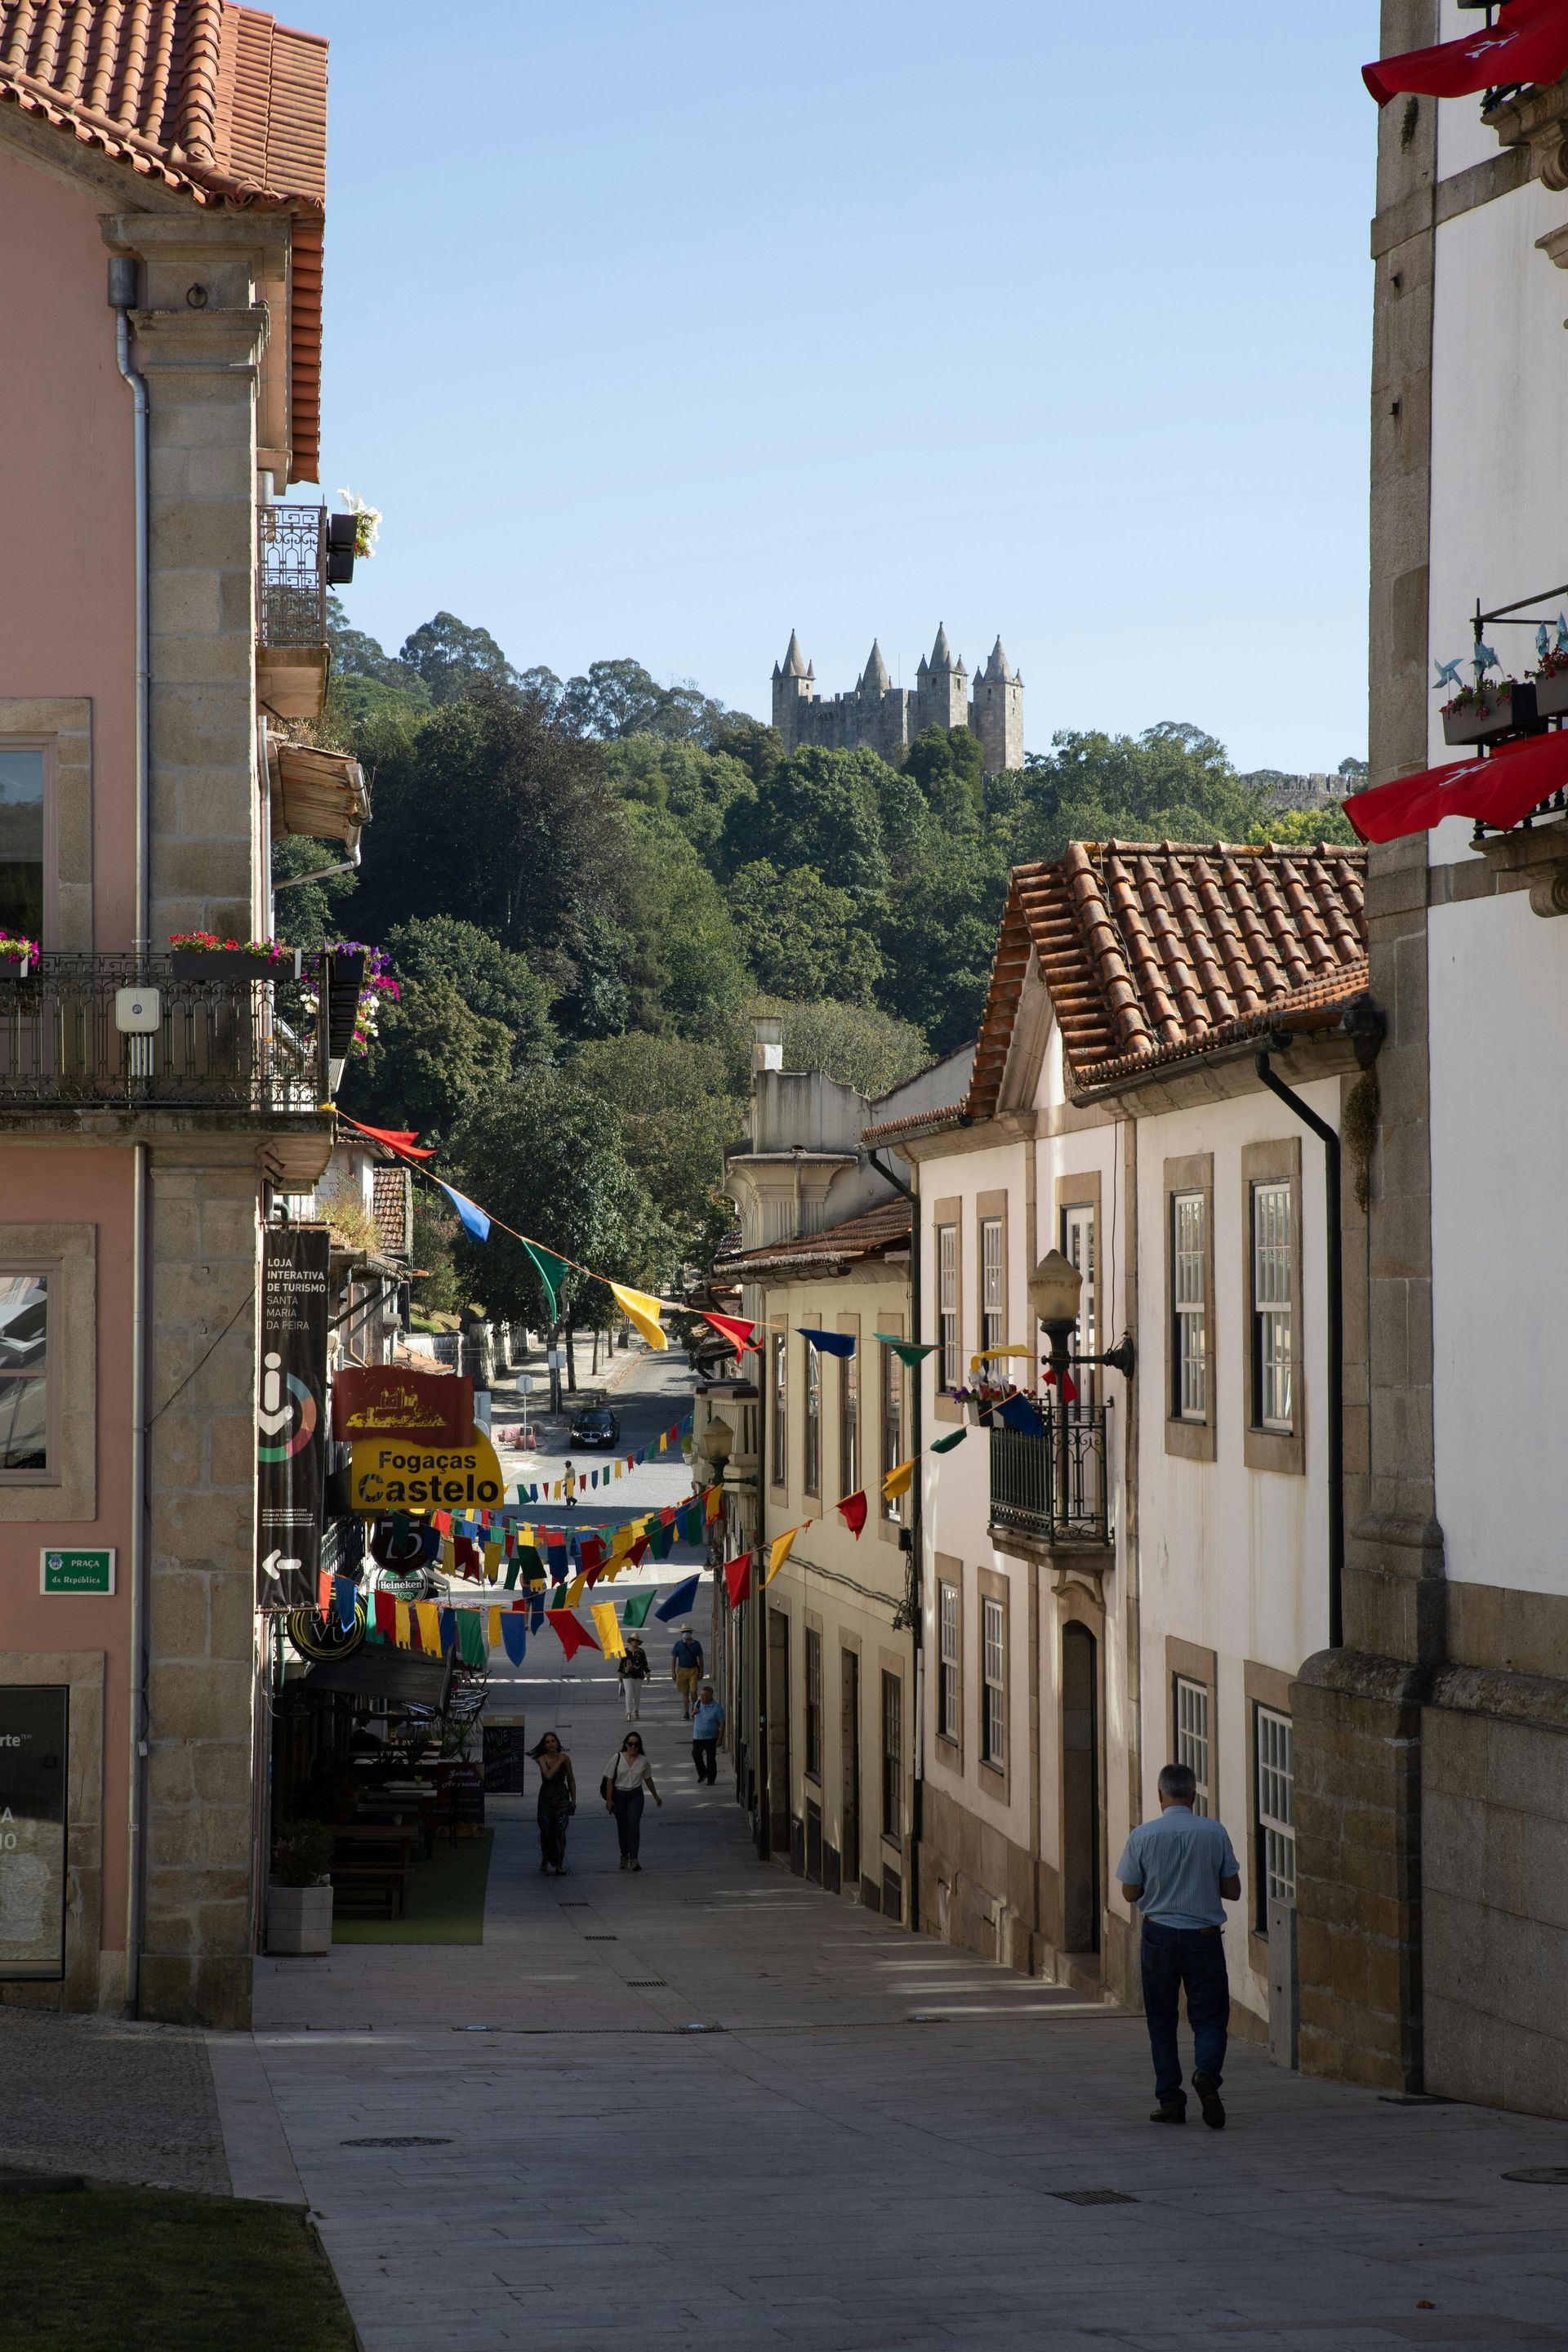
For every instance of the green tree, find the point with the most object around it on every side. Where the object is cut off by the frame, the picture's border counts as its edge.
(758, 747)
(620, 697)
(803, 937)
(697, 787)
(355, 655)
(818, 809)
(493, 811)
(680, 1104)
(432, 1063)
(546, 1154)
(491, 982)
(687, 971)
(307, 914)
(949, 766)
(1293, 828)
(1172, 782)
(939, 939)
(853, 1043)
(450, 656)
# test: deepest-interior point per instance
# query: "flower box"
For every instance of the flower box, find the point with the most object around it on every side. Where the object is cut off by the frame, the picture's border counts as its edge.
(1551, 694)
(234, 963)
(300, 1920)
(1498, 710)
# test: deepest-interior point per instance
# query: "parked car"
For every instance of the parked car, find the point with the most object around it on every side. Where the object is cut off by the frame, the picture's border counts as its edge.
(593, 1423)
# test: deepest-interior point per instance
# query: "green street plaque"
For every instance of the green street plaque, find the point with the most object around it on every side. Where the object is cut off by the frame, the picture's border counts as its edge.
(75, 1571)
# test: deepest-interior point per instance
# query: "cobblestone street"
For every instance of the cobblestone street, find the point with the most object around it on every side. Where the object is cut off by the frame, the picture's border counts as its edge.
(828, 2164)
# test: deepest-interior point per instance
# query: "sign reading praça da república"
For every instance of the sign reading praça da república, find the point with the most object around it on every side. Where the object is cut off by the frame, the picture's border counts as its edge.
(389, 1474)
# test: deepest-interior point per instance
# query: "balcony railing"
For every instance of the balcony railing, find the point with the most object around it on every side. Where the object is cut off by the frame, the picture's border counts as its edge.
(1052, 1489)
(291, 576)
(227, 1043)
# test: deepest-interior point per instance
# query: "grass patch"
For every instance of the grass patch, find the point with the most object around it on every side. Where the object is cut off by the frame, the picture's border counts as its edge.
(443, 1903)
(153, 2270)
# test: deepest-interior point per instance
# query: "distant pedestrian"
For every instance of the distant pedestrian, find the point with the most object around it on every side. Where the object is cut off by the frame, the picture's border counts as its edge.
(557, 1801)
(686, 1668)
(1179, 1871)
(571, 1479)
(622, 1789)
(707, 1723)
(634, 1669)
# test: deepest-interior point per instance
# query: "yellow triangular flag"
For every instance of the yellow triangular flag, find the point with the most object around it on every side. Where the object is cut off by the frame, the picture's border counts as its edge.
(402, 1635)
(492, 1561)
(640, 1309)
(429, 1618)
(606, 1626)
(897, 1481)
(495, 1629)
(574, 1591)
(779, 1551)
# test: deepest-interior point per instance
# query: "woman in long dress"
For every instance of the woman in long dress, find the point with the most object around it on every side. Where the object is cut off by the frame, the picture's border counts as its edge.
(557, 1801)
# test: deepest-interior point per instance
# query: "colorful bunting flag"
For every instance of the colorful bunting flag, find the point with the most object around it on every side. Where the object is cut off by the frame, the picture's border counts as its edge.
(1020, 1415)
(852, 1510)
(641, 1311)
(912, 1352)
(734, 1328)
(602, 1613)
(428, 1619)
(944, 1445)
(678, 1601)
(471, 1646)
(738, 1579)
(514, 1636)
(634, 1613)
(897, 1481)
(573, 1636)
(552, 1272)
(829, 1343)
(779, 1551)
(472, 1219)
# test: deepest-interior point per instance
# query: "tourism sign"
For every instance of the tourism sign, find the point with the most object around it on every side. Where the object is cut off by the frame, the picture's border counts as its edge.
(75, 1571)
(390, 1401)
(389, 1474)
(291, 1421)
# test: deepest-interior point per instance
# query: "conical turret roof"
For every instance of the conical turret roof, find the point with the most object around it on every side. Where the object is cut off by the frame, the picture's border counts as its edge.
(942, 652)
(795, 660)
(998, 667)
(876, 676)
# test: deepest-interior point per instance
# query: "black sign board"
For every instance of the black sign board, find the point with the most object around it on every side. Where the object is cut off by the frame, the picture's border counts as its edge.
(459, 1793)
(505, 1755)
(34, 1727)
(291, 1415)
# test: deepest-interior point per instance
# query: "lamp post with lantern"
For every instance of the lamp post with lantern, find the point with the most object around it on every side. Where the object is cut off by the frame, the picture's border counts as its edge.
(1056, 1288)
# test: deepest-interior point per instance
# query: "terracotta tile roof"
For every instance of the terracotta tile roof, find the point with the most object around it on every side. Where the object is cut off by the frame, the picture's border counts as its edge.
(391, 1188)
(865, 1236)
(220, 102)
(1157, 951)
(914, 1122)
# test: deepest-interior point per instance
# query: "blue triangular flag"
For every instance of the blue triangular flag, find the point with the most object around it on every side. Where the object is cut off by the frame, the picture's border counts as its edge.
(343, 1590)
(832, 1343)
(682, 1598)
(1020, 1415)
(472, 1219)
(448, 1628)
(514, 1636)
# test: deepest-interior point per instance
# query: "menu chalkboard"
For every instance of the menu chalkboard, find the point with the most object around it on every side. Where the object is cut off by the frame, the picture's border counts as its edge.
(460, 1794)
(505, 1756)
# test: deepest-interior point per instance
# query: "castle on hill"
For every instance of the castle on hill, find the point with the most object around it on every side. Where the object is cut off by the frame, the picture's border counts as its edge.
(885, 717)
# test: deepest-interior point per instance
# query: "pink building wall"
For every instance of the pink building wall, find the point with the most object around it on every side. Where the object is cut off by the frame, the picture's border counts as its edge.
(67, 496)
(57, 1184)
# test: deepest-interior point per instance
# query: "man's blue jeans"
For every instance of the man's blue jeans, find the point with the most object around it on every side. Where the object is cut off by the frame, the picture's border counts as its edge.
(1193, 1958)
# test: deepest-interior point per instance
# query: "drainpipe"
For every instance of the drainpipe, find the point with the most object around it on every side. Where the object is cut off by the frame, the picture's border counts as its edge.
(123, 294)
(1335, 1266)
(917, 1578)
(122, 291)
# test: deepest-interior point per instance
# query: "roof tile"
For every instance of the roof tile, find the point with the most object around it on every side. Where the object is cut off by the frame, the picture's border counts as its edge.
(856, 1237)
(1152, 951)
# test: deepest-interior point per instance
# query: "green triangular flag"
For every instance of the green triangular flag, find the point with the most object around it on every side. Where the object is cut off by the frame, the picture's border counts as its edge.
(908, 1351)
(552, 1272)
(946, 1444)
(558, 1598)
(471, 1644)
(637, 1609)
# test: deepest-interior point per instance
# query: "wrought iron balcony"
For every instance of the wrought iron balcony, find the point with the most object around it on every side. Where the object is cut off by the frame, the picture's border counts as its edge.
(291, 576)
(95, 1031)
(1052, 1489)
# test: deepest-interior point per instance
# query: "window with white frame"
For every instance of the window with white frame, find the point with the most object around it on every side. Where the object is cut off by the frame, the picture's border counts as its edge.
(1275, 1872)
(993, 1286)
(811, 1473)
(994, 1682)
(947, 1666)
(1189, 1350)
(25, 1373)
(947, 1303)
(779, 1435)
(1273, 1405)
(849, 1423)
(1192, 1712)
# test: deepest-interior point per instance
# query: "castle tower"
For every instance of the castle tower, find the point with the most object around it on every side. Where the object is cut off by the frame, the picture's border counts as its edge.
(794, 684)
(941, 687)
(996, 713)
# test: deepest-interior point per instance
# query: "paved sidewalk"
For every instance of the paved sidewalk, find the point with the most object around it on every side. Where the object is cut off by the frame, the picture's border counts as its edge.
(822, 2172)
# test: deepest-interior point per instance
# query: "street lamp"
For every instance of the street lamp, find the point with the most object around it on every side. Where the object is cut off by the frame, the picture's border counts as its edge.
(718, 1445)
(1055, 1289)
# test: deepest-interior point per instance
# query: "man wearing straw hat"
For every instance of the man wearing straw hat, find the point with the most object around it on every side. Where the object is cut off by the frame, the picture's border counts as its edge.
(686, 1669)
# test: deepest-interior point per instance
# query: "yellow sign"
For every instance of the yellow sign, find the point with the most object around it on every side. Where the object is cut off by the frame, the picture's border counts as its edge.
(391, 1474)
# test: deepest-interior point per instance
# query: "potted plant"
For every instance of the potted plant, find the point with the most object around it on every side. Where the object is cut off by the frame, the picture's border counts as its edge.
(1550, 684)
(202, 955)
(299, 1898)
(17, 955)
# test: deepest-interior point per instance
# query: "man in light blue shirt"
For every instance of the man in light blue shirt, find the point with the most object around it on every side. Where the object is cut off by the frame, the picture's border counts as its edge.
(1179, 1871)
(707, 1723)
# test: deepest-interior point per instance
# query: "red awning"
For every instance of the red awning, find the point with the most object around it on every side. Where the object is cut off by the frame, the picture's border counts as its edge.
(1528, 43)
(1499, 790)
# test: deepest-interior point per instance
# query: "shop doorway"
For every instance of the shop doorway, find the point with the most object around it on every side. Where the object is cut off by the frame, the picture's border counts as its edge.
(1081, 1790)
(778, 1732)
(850, 1750)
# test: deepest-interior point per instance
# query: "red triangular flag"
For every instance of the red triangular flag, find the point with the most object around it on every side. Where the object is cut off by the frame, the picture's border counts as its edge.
(852, 1510)
(397, 1138)
(573, 1635)
(385, 1613)
(1069, 1386)
(738, 1579)
(735, 1328)
(323, 1594)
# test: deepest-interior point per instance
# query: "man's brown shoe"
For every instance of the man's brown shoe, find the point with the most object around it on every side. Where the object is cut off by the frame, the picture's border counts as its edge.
(1168, 2115)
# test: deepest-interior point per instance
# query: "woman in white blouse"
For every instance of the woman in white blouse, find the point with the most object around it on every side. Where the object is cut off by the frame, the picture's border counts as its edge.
(623, 1787)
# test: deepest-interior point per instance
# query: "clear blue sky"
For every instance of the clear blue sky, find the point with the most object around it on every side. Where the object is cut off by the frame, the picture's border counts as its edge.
(659, 327)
